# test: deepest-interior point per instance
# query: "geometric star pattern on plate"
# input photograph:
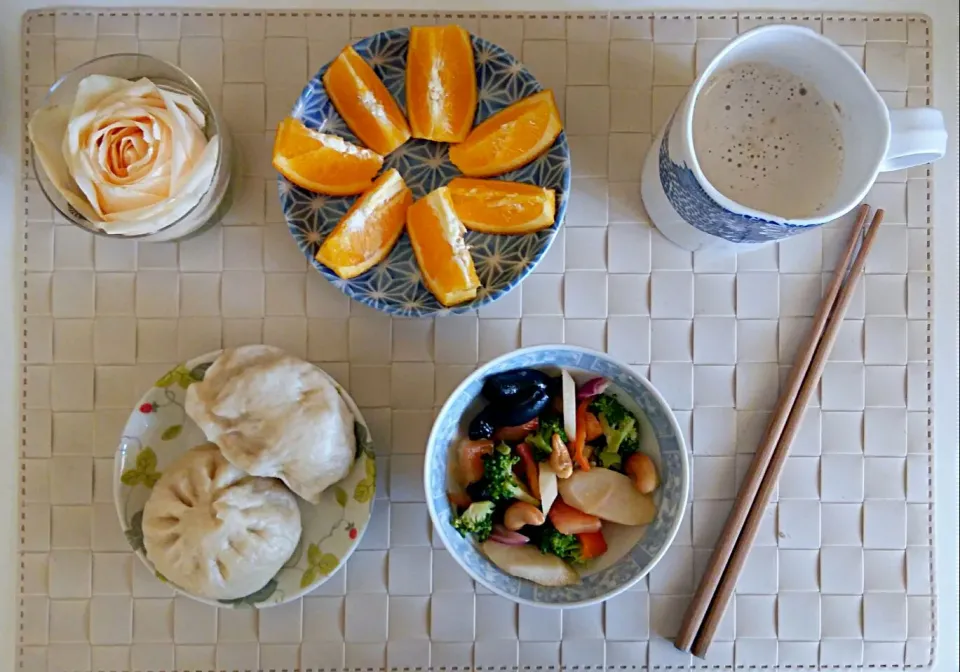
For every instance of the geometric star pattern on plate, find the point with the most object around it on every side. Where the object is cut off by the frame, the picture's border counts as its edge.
(394, 285)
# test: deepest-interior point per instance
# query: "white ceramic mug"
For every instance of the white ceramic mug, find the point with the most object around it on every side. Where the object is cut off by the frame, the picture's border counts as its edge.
(693, 214)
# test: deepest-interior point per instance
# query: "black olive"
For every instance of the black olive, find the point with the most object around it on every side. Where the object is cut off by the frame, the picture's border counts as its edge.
(555, 386)
(519, 409)
(475, 491)
(509, 385)
(481, 427)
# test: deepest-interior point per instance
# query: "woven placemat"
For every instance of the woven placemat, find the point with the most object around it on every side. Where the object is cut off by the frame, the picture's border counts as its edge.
(842, 575)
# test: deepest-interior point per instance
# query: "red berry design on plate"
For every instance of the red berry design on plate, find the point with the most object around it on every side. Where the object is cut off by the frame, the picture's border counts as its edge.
(147, 408)
(353, 533)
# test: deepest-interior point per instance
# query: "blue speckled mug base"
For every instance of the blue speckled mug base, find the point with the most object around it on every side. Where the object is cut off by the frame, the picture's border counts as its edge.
(686, 215)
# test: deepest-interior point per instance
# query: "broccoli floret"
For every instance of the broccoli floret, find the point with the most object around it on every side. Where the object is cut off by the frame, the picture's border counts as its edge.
(609, 406)
(564, 546)
(620, 431)
(610, 460)
(499, 482)
(476, 520)
(541, 440)
(619, 425)
(618, 434)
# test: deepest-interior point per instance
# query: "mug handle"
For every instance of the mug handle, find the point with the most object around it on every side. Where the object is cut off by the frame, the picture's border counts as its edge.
(917, 136)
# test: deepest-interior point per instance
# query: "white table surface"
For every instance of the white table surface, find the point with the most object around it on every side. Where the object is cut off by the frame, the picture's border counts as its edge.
(945, 28)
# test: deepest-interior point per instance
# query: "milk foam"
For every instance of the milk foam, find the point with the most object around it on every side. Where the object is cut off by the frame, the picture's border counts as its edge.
(767, 140)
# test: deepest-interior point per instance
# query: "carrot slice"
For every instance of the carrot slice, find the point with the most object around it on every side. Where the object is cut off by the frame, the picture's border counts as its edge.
(471, 459)
(592, 544)
(569, 520)
(517, 432)
(594, 429)
(581, 438)
(459, 499)
(530, 469)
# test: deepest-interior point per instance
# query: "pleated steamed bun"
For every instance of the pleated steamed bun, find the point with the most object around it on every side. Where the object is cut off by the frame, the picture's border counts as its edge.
(216, 531)
(275, 415)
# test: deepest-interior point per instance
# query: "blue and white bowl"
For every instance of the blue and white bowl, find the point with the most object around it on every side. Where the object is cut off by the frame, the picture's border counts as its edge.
(632, 552)
(394, 286)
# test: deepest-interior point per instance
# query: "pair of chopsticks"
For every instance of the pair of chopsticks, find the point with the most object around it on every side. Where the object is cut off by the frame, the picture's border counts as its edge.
(717, 585)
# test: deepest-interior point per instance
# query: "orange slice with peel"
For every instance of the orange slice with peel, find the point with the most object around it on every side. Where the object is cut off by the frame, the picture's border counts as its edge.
(497, 206)
(436, 234)
(511, 138)
(441, 83)
(324, 163)
(364, 102)
(368, 231)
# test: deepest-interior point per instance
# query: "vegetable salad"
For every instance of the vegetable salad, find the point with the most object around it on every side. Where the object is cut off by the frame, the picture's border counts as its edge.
(546, 464)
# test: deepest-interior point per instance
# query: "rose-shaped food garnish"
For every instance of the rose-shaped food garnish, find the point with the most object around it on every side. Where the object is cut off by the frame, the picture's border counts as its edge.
(129, 156)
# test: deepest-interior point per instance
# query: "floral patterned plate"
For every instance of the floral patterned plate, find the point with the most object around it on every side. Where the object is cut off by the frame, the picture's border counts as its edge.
(159, 431)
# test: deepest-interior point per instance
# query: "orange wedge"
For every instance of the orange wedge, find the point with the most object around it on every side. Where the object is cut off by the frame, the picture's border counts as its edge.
(496, 206)
(441, 83)
(436, 234)
(509, 139)
(364, 103)
(326, 164)
(369, 230)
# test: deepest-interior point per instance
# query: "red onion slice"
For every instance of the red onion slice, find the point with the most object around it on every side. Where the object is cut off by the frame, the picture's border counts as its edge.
(592, 388)
(508, 537)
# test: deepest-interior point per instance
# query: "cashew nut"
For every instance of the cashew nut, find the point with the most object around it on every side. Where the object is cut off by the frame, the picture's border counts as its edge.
(519, 514)
(643, 471)
(560, 460)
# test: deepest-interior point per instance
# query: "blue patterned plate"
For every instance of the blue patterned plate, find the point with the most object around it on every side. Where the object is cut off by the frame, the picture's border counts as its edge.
(633, 551)
(394, 285)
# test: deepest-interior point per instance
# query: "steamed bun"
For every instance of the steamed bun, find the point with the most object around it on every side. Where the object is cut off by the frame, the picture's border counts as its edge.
(215, 531)
(275, 415)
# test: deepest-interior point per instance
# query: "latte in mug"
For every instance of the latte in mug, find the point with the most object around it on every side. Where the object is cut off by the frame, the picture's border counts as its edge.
(767, 140)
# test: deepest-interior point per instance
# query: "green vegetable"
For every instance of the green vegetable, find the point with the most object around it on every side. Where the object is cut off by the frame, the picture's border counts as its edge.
(619, 436)
(540, 441)
(620, 430)
(499, 482)
(564, 546)
(610, 406)
(476, 520)
(610, 459)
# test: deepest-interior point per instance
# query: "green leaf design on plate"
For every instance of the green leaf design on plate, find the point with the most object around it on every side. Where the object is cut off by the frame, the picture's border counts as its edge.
(179, 375)
(318, 564)
(146, 460)
(328, 563)
(261, 595)
(371, 468)
(167, 379)
(130, 477)
(363, 493)
(134, 533)
(198, 372)
(364, 441)
(171, 432)
(161, 577)
(341, 496)
(313, 554)
(310, 576)
(144, 471)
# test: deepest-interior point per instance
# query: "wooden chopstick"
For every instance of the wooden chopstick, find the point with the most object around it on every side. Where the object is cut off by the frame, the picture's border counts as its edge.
(747, 496)
(745, 541)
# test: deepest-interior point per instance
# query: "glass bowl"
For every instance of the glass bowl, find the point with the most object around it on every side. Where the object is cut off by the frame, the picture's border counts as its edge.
(216, 200)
